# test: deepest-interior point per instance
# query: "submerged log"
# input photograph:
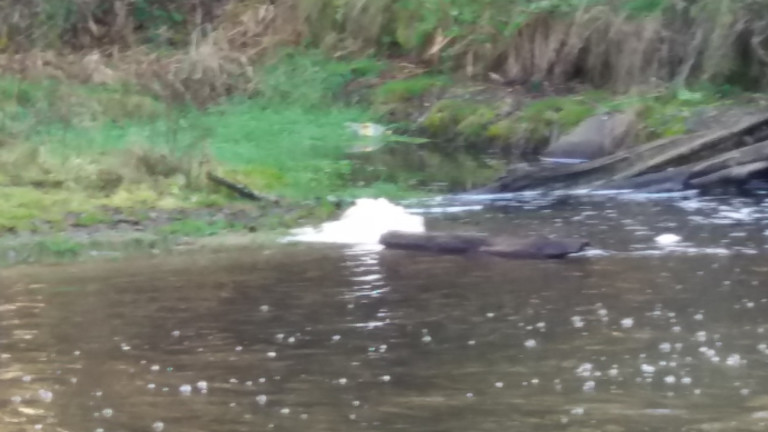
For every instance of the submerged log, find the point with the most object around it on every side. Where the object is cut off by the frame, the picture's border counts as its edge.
(672, 164)
(471, 243)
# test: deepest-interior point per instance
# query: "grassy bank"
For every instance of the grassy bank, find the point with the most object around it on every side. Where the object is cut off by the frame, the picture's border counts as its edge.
(111, 117)
(84, 154)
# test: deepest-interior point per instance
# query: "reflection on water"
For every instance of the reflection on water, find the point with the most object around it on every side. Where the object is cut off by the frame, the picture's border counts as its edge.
(637, 336)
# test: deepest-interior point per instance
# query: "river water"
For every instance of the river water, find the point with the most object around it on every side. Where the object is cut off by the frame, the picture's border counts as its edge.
(632, 336)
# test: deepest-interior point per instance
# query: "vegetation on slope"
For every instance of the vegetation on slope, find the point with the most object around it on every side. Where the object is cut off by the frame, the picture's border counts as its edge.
(110, 108)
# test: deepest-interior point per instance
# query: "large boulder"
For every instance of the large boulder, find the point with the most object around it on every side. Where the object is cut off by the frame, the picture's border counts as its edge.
(596, 137)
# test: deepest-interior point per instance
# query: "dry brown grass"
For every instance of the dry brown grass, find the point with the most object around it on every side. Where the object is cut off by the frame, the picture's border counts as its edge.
(708, 40)
(217, 62)
(715, 40)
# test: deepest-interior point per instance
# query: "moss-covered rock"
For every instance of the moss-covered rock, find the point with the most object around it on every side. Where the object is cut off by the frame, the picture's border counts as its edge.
(444, 116)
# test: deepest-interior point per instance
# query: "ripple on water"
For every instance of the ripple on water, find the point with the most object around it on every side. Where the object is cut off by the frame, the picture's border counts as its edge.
(591, 342)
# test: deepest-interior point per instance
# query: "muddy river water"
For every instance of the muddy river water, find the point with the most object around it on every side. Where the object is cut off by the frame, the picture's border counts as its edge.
(632, 336)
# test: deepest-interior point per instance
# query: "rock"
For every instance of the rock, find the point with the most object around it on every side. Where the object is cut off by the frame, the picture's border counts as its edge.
(467, 243)
(596, 137)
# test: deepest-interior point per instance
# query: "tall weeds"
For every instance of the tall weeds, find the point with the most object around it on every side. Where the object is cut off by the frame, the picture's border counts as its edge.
(208, 48)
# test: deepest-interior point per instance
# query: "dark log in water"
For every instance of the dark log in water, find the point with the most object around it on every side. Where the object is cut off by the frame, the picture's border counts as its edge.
(467, 243)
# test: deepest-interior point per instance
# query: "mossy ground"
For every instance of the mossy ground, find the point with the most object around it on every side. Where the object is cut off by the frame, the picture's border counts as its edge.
(519, 122)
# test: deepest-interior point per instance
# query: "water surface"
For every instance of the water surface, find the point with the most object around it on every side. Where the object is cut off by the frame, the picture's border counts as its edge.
(633, 336)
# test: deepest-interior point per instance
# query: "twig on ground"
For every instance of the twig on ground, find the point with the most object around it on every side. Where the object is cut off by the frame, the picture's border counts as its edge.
(241, 190)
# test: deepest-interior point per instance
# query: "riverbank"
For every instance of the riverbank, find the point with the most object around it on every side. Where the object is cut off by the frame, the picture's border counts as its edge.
(104, 171)
(119, 143)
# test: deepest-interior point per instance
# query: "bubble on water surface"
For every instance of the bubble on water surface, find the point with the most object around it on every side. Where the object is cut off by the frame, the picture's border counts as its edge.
(185, 389)
(585, 370)
(426, 339)
(202, 385)
(647, 369)
(385, 378)
(335, 338)
(16, 399)
(627, 322)
(45, 395)
(499, 384)
(271, 354)
(107, 412)
(577, 321)
(530, 343)
(175, 333)
(577, 411)
(158, 426)
(264, 308)
(588, 386)
(666, 239)
(698, 317)
(665, 347)
(285, 411)
(261, 399)
(734, 360)
(26, 378)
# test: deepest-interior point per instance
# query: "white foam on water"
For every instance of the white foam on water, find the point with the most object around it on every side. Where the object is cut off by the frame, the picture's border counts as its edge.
(667, 239)
(362, 224)
(445, 210)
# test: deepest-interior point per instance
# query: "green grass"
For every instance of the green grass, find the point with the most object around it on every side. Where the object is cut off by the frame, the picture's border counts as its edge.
(404, 90)
(116, 147)
(309, 79)
(197, 228)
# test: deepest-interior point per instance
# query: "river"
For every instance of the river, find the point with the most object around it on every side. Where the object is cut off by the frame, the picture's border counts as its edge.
(632, 336)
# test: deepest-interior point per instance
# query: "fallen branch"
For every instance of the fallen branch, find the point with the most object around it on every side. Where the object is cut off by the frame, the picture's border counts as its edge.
(240, 189)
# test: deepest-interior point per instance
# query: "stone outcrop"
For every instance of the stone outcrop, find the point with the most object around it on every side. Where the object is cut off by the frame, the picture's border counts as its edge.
(596, 137)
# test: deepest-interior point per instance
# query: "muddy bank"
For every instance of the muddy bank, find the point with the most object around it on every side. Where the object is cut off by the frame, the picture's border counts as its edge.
(155, 231)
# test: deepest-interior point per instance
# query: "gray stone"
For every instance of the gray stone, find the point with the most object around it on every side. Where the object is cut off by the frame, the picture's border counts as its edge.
(596, 137)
